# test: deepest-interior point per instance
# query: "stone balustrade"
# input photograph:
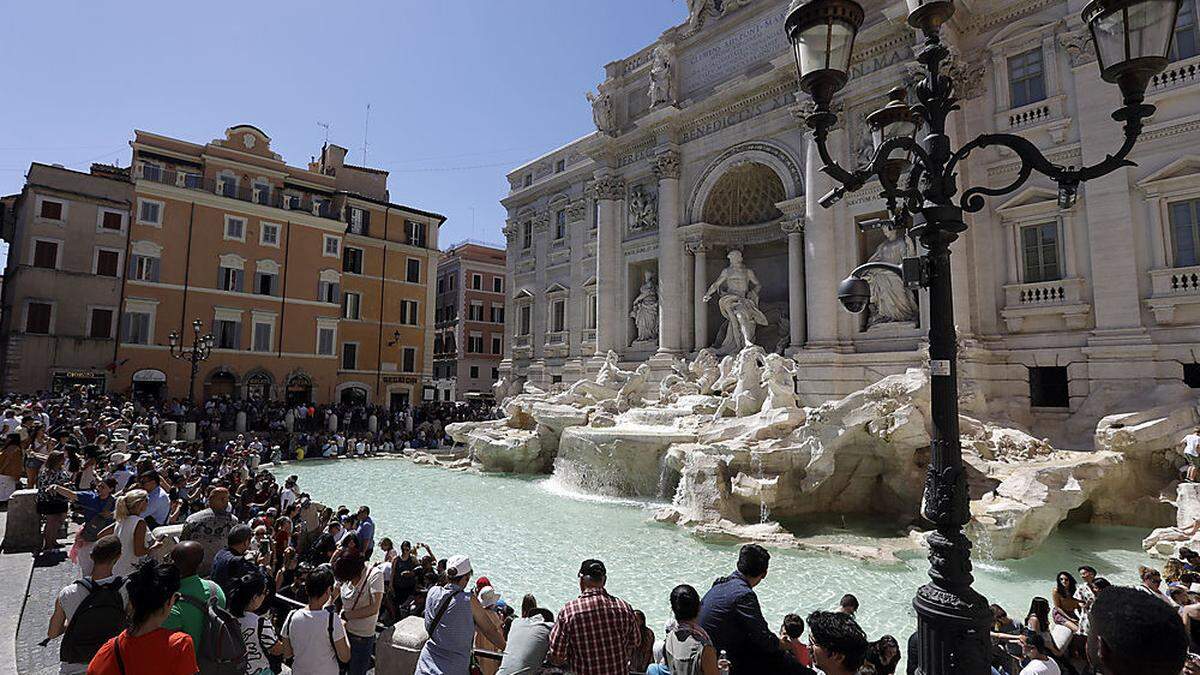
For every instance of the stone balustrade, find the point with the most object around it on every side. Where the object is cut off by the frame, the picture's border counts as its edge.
(1173, 289)
(1178, 74)
(1060, 300)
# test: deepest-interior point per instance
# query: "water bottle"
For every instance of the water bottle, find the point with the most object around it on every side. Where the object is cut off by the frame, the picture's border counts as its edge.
(723, 663)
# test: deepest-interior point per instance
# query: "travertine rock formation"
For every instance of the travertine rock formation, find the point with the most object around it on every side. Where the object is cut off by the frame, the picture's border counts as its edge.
(741, 456)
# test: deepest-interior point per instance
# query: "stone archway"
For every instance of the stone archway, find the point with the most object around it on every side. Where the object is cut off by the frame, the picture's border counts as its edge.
(761, 153)
(259, 385)
(221, 382)
(746, 194)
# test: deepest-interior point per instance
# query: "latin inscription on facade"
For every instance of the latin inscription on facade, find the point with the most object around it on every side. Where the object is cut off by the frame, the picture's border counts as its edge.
(755, 41)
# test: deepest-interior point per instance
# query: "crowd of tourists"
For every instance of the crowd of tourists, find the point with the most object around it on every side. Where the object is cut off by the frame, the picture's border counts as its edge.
(262, 578)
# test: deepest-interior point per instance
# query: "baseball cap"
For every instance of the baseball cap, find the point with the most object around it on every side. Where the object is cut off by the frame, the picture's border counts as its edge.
(458, 565)
(593, 569)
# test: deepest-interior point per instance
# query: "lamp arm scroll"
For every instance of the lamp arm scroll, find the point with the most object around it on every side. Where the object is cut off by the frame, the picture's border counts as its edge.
(1032, 159)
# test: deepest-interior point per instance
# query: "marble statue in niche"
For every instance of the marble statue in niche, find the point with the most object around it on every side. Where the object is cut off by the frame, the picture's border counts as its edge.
(660, 77)
(644, 310)
(737, 290)
(891, 301)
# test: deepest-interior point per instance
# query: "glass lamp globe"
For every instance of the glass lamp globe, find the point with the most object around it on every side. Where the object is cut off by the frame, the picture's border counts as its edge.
(822, 34)
(1133, 39)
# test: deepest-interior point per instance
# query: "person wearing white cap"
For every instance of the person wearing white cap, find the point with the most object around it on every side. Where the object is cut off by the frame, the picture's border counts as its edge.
(451, 618)
(118, 471)
(488, 597)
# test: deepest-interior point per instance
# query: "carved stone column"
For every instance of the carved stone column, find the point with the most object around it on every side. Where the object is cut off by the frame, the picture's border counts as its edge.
(699, 251)
(797, 327)
(610, 190)
(670, 291)
(820, 251)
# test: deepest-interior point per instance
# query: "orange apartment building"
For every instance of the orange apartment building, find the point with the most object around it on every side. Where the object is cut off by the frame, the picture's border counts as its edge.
(315, 286)
(469, 321)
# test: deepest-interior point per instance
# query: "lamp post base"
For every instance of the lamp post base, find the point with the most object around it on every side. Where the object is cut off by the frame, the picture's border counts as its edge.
(953, 621)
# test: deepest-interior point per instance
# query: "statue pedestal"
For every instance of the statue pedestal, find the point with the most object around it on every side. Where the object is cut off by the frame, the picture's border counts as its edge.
(893, 329)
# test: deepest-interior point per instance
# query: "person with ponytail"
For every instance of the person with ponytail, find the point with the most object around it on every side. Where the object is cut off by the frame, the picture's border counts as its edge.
(145, 647)
(245, 598)
(136, 540)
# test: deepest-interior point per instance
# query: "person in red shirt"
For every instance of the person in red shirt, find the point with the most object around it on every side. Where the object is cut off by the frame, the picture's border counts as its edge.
(146, 648)
(790, 637)
(595, 633)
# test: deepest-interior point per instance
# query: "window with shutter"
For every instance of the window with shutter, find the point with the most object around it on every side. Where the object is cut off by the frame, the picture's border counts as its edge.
(264, 283)
(262, 337)
(227, 334)
(45, 254)
(112, 220)
(135, 328)
(150, 213)
(101, 324)
(107, 263)
(325, 337)
(351, 305)
(352, 260)
(51, 210)
(230, 279)
(37, 318)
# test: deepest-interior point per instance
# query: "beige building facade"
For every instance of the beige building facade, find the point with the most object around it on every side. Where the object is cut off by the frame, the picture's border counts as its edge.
(700, 150)
(316, 287)
(62, 293)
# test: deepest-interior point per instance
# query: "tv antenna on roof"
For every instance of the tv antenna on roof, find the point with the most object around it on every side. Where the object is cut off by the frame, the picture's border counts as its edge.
(366, 128)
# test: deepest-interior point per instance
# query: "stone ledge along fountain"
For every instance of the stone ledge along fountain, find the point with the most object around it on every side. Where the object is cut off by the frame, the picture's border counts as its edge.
(728, 445)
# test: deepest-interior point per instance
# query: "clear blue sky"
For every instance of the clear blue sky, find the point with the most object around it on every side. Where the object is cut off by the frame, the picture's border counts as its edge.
(460, 92)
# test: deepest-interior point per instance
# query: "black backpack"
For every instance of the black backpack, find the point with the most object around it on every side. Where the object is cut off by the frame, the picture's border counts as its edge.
(221, 651)
(100, 616)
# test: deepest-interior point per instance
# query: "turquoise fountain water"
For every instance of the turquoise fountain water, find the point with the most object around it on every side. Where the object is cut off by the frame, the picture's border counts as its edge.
(529, 536)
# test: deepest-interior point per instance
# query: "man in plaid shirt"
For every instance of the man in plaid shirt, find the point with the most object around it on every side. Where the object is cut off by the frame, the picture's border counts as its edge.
(595, 633)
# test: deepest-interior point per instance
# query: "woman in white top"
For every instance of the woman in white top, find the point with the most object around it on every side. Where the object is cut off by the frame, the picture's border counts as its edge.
(1151, 584)
(136, 541)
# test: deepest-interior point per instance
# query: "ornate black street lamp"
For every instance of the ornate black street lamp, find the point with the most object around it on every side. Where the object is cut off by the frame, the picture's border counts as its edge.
(200, 350)
(919, 184)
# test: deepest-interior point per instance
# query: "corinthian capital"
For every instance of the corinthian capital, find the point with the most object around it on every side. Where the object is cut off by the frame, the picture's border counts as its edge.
(792, 225)
(666, 164)
(609, 187)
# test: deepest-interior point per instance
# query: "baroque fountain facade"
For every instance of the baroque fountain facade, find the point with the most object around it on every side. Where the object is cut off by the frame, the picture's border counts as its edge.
(673, 330)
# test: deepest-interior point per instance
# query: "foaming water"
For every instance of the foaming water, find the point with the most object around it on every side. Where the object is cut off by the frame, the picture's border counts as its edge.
(528, 535)
(557, 487)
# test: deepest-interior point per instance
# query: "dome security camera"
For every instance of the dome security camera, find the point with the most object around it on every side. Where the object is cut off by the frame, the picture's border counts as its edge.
(854, 294)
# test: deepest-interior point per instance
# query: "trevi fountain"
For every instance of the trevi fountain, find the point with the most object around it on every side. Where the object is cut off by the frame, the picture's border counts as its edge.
(664, 471)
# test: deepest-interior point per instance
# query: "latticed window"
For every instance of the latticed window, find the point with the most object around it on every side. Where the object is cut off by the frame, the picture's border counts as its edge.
(1185, 232)
(1039, 245)
(745, 195)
